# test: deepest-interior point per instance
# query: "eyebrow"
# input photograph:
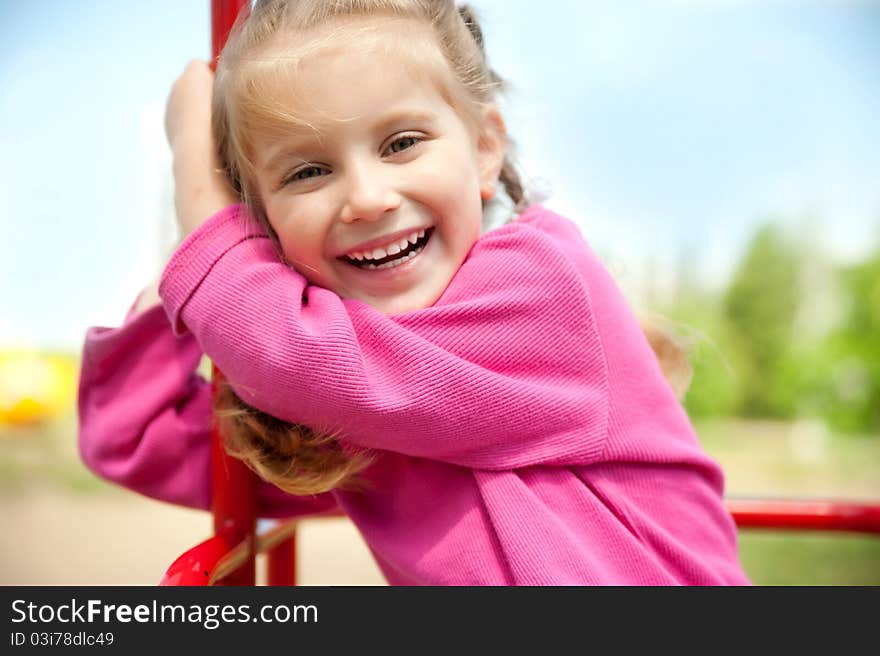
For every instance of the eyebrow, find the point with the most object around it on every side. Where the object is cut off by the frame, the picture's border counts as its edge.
(398, 116)
(296, 143)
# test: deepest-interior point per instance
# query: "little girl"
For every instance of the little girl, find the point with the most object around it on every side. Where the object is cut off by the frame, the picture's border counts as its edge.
(483, 406)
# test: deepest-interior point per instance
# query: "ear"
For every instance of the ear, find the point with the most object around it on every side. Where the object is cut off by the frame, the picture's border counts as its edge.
(491, 149)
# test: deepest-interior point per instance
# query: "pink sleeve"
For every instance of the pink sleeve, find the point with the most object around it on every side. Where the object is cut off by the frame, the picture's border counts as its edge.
(505, 370)
(144, 416)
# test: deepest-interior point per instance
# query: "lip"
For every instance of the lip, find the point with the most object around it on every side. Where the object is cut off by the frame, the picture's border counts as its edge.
(385, 240)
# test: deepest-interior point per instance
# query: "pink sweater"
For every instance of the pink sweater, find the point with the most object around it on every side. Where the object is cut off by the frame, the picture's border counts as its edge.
(525, 432)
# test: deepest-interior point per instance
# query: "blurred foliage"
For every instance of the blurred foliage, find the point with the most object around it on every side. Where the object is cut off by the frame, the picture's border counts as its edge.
(852, 353)
(759, 308)
(792, 336)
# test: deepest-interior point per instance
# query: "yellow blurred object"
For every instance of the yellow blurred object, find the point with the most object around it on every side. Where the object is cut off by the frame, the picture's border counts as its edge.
(34, 387)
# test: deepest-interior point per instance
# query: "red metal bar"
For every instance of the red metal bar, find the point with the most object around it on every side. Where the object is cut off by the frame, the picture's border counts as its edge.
(281, 563)
(223, 15)
(233, 501)
(800, 514)
(233, 484)
(196, 566)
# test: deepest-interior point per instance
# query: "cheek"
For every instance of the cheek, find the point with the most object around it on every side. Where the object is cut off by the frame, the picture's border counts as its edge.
(295, 225)
(301, 246)
(450, 171)
(295, 248)
(462, 226)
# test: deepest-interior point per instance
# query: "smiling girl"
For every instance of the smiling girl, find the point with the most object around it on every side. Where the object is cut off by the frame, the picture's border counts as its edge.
(483, 405)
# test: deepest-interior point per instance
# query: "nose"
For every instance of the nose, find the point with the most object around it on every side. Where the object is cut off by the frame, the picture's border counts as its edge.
(369, 194)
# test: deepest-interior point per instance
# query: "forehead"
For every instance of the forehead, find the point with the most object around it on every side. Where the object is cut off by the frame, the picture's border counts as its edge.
(311, 79)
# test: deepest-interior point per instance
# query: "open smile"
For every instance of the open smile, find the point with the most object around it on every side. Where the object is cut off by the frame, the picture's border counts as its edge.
(393, 255)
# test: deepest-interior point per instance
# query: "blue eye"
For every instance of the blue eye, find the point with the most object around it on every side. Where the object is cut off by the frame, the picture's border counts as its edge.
(308, 172)
(402, 143)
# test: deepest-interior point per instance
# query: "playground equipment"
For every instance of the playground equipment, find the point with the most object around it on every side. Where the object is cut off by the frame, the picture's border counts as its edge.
(229, 557)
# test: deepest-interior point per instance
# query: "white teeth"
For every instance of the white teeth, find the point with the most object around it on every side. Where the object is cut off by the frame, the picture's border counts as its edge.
(392, 249)
(394, 263)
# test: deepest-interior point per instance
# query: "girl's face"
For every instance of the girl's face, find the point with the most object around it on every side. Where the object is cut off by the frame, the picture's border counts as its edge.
(379, 198)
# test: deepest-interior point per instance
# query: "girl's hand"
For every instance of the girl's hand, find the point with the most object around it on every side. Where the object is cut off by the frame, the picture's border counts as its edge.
(201, 188)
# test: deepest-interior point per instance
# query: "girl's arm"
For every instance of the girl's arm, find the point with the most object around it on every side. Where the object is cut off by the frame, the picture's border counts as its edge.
(145, 416)
(505, 370)
(200, 184)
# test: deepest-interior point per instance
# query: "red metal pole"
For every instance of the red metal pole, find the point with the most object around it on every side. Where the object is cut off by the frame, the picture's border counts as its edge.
(281, 563)
(806, 514)
(233, 484)
(223, 15)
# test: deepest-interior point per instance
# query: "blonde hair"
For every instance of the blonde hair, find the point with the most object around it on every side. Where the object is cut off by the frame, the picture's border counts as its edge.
(672, 348)
(296, 458)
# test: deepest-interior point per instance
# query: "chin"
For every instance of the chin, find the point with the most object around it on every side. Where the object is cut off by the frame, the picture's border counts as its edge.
(405, 302)
(399, 306)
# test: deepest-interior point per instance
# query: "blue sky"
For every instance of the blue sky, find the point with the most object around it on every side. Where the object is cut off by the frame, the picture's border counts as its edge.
(665, 129)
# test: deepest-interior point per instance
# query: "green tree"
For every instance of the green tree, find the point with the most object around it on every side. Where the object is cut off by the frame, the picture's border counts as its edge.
(759, 307)
(853, 350)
